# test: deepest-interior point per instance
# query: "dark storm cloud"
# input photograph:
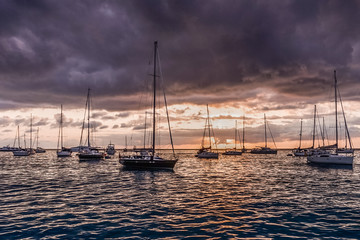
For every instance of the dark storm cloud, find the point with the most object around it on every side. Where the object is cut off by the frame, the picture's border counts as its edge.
(52, 51)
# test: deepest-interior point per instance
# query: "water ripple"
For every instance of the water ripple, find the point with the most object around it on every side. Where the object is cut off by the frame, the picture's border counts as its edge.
(234, 197)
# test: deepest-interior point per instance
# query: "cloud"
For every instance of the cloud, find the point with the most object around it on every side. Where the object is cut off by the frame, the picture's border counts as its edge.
(55, 51)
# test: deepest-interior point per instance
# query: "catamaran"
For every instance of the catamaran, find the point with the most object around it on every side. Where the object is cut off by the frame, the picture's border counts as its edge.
(148, 158)
(333, 158)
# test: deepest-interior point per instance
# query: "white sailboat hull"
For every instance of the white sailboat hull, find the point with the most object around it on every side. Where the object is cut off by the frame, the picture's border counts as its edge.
(331, 159)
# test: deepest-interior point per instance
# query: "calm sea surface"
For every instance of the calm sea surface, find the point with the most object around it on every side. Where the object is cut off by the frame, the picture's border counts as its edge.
(249, 196)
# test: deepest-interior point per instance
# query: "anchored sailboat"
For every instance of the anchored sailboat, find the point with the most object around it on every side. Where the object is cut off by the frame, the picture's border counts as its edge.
(148, 158)
(266, 149)
(20, 151)
(205, 152)
(38, 149)
(335, 158)
(89, 152)
(62, 152)
(235, 151)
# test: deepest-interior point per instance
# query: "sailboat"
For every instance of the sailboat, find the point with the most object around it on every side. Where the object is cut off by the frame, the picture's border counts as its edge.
(299, 152)
(335, 158)
(62, 152)
(205, 152)
(38, 149)
(149, 159)
(266, 149)
(89, 152)
(20, 151)
(233, 152)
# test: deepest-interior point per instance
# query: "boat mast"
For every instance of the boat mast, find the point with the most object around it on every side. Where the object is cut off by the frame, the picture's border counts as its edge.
(300, 133)
(18, 134)
(313, 145)
(37, 138)
(336, 117)
(145, 130)
(154, 104)
(88, 105)
(323, 132)
(235, 133)
(265, 131)
(31, 131)
(208, 121)
(243, 133)
(61, 127)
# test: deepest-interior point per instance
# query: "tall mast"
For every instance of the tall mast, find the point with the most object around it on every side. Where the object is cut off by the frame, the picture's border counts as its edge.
(18, 134)
(243, 133)
(313, 145)
(208, 121)
(235, 133)
(31, 131)
(154, 104)
(300, 133)
(265, 131)
(323, 136)
(61, 127)
(336, 117)
(37, 138)
(145, 130)
(88, 105)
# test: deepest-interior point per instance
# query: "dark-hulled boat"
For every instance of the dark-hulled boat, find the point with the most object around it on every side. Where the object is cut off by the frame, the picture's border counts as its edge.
(148, 158)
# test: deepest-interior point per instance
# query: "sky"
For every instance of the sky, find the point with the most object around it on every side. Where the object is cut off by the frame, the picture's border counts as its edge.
(241, 58)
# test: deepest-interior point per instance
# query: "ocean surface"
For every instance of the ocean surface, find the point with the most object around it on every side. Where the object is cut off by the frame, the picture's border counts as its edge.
(249, 196)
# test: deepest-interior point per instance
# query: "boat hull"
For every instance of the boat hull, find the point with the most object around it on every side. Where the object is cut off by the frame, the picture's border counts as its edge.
(264, 152)
(90, 157)
(21, 153)
(207, 155)
(147, 164)
(232, 153)
(63, 154)
(331, 159)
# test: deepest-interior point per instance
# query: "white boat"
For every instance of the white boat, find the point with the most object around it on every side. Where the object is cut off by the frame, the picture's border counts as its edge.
(110, 149)
(206, 152)
(233, 152)
(62, 152)
(19, 152)
(333, 158)
(89, 153)
(149, 159)
(266, 149)
(38, 149)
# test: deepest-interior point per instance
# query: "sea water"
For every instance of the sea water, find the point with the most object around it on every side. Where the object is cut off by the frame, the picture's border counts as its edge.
(248, 196)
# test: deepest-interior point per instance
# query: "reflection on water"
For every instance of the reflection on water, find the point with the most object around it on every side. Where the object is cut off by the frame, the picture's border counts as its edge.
(233, 197)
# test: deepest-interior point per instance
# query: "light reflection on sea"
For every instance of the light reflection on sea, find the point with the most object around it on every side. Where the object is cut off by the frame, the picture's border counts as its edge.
(249, 196)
